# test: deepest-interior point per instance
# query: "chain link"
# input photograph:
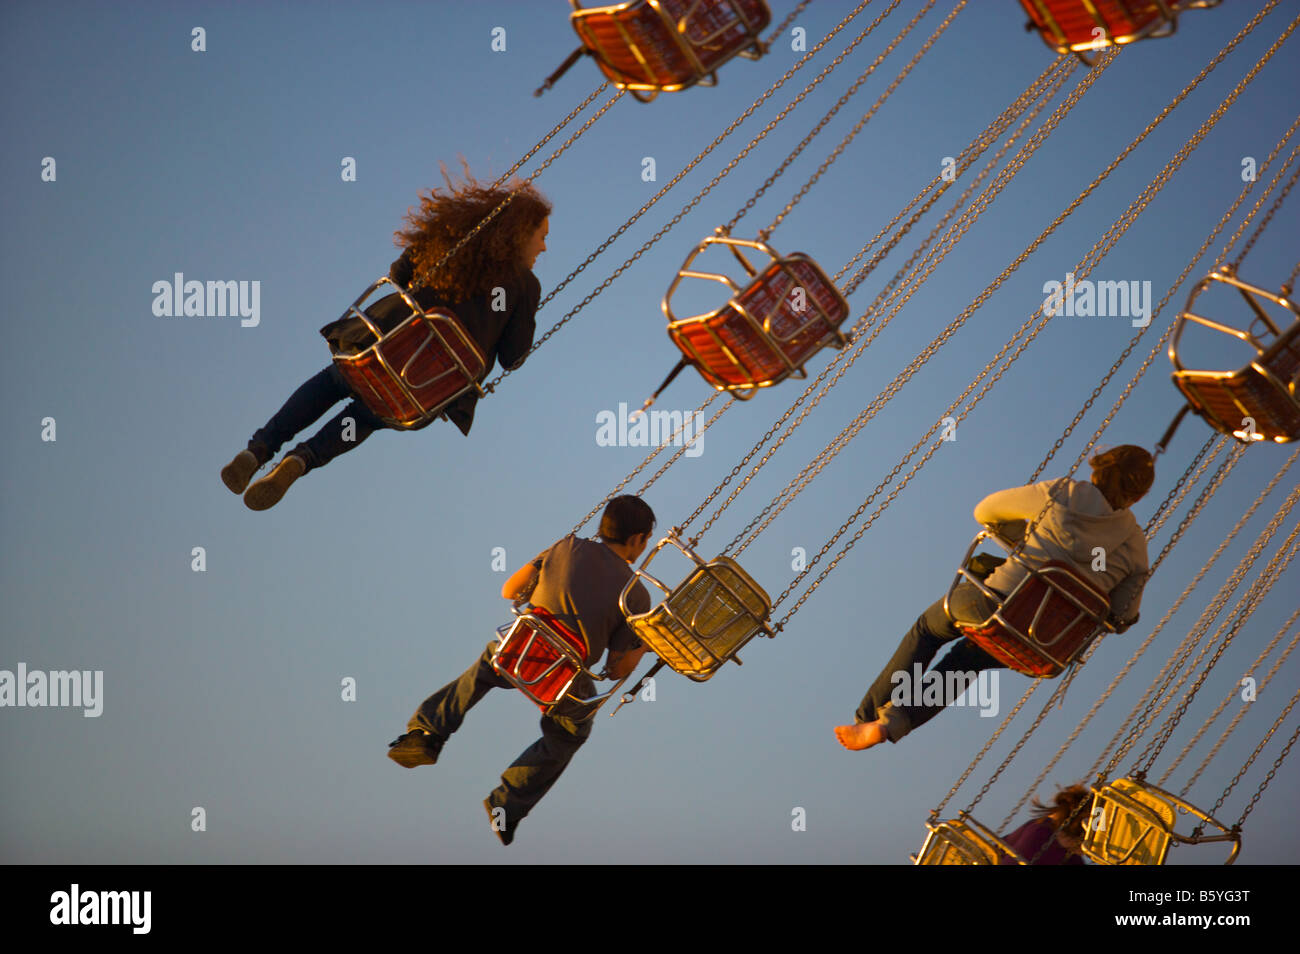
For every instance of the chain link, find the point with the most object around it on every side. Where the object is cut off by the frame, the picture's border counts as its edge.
(491, 385)
(1227, 701)
(1268, 778)
(900, 283)
(1227, 630)
(1151, 704)
(954, 235)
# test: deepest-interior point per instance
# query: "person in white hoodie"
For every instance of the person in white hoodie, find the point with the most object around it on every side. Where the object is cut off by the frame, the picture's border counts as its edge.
(1077, 518)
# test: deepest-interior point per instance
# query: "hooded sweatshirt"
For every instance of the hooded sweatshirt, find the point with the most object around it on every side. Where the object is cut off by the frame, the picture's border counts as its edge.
(1078, 520)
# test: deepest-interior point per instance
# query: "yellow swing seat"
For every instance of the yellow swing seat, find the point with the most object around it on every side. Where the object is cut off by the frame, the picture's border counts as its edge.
(963, 841)
(1133, 823)
(706, 619)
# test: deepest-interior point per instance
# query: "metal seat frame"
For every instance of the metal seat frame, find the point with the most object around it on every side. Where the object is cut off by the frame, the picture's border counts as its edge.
(541, 629)
(710, 569)
(443, 327)
(1118, 797)
(1193, 382)
(1048, 576)
(677, 30)
(761, 325)
(973, 842)
(1165, 23)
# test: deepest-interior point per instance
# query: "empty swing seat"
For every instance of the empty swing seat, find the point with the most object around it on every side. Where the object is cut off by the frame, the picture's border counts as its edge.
(704, 621)
(1133, 823)
(963, 841)
(768, 330)
(543, 658)
(653, 46)
(408, 376)
(1261, 400)
(1077, 26)
(1047, 620)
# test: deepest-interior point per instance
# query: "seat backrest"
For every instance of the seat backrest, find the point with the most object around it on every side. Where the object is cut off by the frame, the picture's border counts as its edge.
(530, 656)
(1134, 826)
(1041, 610)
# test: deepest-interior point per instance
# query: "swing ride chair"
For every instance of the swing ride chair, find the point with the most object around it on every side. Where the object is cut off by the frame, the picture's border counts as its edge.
(1079, 26)
(1135, 825)
(409, 376)
(1267, 390)
(705, 620)
(543, 658)
(963, 841)
(760, 337)
(653, 46)
(1044, 623)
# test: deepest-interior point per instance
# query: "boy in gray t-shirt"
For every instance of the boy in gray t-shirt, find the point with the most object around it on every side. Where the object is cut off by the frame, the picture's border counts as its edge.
(579, 582)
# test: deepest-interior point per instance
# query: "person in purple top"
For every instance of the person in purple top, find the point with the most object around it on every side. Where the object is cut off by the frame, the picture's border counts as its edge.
(1054, 833)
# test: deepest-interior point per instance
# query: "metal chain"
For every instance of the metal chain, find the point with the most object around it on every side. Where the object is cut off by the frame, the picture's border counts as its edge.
(1160, 345)
(1015, 710)
(1085, 266)
(1210, 489)
(1169, 614)
(1058, 694)
(866, 117)
(505, 176)
(902, 281)
(1245, 607)
(1127, 737)
(1177, 491)
(1120, 225)
(848, 94)
(726, 170)
(781, 27)
(1268, 778)
(1229, 462)
(1227, 701)
(955, 233)
(655, 453)
(1249, 762)
(540, 169)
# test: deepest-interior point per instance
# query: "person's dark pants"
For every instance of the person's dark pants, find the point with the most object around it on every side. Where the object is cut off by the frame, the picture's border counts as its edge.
(927, 636)
(305, 406)
(532, 774)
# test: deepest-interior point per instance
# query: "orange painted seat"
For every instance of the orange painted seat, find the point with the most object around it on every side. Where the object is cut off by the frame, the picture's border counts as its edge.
(1261, 400)
(1077, 26)
(768, 330)
(541, 656)
(653, 46)
(409, 375)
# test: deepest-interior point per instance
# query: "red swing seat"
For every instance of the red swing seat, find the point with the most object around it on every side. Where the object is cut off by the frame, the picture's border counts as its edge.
(541, 656)
(1077, 26)
(768, 330)
(653, 46)
(408, 376)
(1260, 401)
(1043, 625)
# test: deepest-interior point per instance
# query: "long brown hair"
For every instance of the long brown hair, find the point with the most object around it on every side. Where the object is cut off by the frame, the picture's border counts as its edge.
(491, 257)
(1067, 802)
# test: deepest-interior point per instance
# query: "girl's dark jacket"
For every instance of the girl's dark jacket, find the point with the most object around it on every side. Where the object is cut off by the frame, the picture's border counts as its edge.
(501, 335)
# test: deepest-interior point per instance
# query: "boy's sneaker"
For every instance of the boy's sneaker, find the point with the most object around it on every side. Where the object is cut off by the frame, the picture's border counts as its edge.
(416, 747)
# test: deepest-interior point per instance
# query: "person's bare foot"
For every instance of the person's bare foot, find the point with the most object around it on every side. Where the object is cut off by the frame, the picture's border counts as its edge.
(862, 735)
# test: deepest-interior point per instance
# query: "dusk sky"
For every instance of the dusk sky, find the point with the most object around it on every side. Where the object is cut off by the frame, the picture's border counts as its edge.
(224, 669)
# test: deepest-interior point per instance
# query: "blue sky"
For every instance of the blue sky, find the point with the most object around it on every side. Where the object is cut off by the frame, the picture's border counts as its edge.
(222, 687)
